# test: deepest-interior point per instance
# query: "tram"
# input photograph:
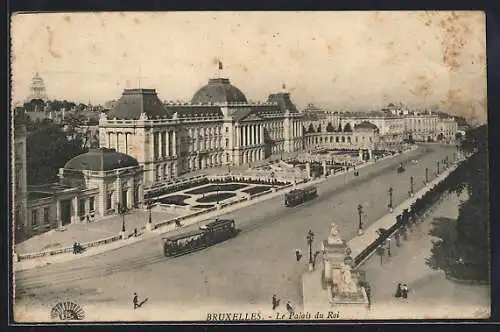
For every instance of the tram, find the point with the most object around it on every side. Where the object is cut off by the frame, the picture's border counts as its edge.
(299, 196)
(207, 235)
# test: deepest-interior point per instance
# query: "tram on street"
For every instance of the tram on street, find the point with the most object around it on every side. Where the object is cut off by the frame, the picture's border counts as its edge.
(299, 196)
(207, 235)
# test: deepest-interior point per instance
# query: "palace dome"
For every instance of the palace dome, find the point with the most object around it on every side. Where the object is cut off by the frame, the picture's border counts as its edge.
(101, 159)
(218, 90)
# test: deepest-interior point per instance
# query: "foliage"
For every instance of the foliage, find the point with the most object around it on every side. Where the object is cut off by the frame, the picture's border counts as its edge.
(329, 127)
(47, 150)
(470, 244)
(347, 128)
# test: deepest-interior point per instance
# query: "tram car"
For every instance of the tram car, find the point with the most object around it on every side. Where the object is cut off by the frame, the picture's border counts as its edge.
(207, 235)
(299, 196)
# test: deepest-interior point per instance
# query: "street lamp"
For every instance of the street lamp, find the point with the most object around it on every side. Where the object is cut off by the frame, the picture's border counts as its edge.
(426, 175)
(218, 188)
(411, 185)
(150, 207)
(360, 212)
(389, 247)
(390, 199)
(121, 211)
(437, 167)
(310, 239)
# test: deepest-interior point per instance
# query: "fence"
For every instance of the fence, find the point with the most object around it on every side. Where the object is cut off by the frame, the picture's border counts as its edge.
(54, 252)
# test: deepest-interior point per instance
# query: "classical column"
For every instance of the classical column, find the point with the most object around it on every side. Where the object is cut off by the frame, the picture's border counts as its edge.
(74, 206)
(118, 195)
(109, 140)
(167, 143)
(117, 142)
(255, 134)
(158, 147)
(174, 142)
(58, 213)
(261, 134)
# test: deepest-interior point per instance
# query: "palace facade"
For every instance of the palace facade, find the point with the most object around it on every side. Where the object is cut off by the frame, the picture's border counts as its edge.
(219, 127)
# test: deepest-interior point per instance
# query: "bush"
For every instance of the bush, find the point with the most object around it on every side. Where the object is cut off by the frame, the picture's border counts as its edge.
(215, 188)
(256, 190)
(175, 200)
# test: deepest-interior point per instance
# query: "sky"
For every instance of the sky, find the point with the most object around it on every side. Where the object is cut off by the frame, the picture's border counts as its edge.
(337, 60)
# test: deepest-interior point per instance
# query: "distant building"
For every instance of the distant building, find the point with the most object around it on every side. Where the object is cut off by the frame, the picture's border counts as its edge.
(37, 89)
(19, 179)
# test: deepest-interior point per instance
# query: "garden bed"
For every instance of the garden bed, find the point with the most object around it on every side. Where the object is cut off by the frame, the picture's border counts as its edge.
(175, 200)
(256, 190)
(216, 187)
(215, 197)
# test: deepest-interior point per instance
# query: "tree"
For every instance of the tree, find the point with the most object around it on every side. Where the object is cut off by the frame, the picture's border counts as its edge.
(319, 128)
(47, 150)
(463, 251)
(311, 128)
(329, 127)
(347, 128)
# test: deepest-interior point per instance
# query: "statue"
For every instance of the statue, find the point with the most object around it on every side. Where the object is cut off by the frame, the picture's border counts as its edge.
(348, 285)
(334, 236)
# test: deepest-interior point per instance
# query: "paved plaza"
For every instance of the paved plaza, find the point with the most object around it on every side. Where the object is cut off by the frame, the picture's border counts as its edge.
(431, 294)
(255, 265)
(99, 229)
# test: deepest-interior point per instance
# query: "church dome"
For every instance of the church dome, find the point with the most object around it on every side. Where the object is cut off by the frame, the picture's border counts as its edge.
(102, 159)
(218, 90)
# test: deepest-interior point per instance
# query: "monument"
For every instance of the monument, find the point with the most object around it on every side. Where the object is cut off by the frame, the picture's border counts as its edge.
(341, 282)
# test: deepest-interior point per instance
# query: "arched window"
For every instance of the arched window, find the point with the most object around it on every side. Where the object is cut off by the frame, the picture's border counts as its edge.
(347, 128)
(329, 127)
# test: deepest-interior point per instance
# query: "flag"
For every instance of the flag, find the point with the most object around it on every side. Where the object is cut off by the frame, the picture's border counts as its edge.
(220, 65)
(284, 86)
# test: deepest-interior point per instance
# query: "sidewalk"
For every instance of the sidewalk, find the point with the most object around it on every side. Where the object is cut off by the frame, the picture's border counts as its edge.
(32, 263)
(86, 232)
(431, 294)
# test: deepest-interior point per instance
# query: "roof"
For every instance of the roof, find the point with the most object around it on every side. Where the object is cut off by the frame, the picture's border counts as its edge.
(134, 102)
(101, 159)
(194, 110)
(365, 125)
(218, 90)
(284, 102)
(184, 235)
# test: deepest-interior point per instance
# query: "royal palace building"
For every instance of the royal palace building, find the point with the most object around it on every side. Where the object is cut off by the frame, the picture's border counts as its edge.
(218, 127)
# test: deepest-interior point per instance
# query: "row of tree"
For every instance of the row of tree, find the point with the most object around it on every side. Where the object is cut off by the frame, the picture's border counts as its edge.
(463, 247)
(329, 128)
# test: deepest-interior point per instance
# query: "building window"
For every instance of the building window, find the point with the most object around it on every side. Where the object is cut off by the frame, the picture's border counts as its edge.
(227, 142)
(34, 218)
(109, 200)
(227, 129)
(46, 214)
(92, 204)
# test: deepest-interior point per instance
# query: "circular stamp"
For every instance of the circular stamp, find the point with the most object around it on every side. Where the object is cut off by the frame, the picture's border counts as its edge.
(67, 310)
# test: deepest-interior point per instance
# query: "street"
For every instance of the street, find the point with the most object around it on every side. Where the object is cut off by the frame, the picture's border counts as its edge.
(243, 271)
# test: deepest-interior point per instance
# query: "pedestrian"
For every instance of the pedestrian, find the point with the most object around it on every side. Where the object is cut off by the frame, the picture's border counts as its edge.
(74, 248)
(298, 255)
(404, 291)
(135, 232)
(398, 291)
(276, 302)
(136, 301)
(289, 308)
(88, 218)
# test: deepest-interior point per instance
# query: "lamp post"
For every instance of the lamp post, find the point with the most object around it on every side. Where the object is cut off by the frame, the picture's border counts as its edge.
(310, 239)
(218, 188)
(437, 167)
(389, 247)
(121, 211)
(390, 199)
(360, 213)
(411, 185)
(426, 175)
(150, 207)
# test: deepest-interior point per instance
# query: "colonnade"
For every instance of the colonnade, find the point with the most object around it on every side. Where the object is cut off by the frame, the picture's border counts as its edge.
(251, 134)
(164, 144)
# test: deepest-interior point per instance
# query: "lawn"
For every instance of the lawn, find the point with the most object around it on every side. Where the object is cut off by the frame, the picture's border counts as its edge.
(214, 197)
(215, 187)
(256, 190)
(174, 199)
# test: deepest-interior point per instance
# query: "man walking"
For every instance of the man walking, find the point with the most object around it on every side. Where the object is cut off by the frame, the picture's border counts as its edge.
(404, 291)
(289, 308)
(136, 301)
(276, 302)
